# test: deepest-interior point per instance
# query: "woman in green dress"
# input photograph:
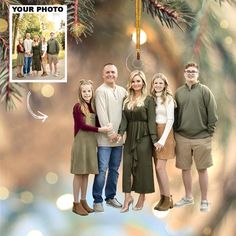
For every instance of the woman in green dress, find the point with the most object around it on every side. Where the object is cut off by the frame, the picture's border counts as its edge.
(138, 120)
(36, 58)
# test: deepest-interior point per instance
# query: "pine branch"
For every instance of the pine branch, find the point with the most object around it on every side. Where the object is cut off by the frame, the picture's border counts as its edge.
(80, 15)
(7, 3)
(44, 2)
(169, 13)
(228, 1)
(9, 92)
(38, 2)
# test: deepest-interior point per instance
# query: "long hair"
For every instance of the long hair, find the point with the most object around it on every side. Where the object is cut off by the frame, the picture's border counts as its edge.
(81, 101)
(129, 99)
(36, 40)
(165, 92)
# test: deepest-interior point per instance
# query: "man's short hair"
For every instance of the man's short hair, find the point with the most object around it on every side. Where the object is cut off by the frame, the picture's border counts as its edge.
(109, 64)
(191, 64)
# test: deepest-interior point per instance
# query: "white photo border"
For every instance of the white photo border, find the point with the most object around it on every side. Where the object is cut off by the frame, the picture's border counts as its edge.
(63, 80)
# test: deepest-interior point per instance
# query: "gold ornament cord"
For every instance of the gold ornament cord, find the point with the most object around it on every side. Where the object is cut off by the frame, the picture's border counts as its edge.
(138, 13)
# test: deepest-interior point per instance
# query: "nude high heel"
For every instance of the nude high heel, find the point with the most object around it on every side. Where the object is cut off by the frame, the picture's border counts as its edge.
(141, 207)
(126, 209)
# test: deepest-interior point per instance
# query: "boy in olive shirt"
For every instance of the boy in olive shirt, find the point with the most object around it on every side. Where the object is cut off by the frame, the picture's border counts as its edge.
(53, 51)
(195, 121)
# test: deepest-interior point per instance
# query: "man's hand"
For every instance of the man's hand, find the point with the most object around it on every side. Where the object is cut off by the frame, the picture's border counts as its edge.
(113, 137)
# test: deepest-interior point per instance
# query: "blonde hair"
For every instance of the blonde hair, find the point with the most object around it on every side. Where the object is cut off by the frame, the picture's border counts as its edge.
(36, 37)
(140, 100)
(165, 92)
(36, 40)
(43, 39)
(83, 104)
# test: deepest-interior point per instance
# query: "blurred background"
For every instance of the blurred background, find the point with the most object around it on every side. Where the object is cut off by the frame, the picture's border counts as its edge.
(35, 181)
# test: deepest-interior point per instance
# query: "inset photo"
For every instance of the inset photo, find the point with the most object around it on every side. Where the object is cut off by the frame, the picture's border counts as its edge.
(38, 43)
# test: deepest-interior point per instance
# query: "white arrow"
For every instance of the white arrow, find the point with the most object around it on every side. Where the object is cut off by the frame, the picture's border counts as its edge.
(43, 117)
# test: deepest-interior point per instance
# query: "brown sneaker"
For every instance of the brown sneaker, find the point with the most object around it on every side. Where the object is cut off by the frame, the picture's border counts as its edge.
(86, 206)
(78, 209)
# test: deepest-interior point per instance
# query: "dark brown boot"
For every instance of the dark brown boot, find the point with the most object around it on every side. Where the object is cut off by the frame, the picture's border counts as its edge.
(166, 204)
(78, 209)
(86, 206)
(159, 203)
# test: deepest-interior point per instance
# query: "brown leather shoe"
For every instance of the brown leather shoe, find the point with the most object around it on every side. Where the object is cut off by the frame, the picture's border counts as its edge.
(86, 206)
(78, 209)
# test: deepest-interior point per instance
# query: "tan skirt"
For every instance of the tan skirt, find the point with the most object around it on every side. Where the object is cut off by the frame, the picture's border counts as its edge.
(168, 151)
(45, 59)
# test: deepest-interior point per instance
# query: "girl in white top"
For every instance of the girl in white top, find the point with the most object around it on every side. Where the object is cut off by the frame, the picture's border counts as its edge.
(165, 105)
(44, 55)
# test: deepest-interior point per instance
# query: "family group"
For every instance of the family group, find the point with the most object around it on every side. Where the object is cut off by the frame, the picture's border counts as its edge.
(34, 55)
(141, 128)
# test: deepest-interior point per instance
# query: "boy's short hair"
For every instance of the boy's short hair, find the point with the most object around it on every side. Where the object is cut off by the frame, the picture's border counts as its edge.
(191, 64)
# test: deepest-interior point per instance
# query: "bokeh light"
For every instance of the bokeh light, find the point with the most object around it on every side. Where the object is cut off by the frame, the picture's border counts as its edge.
(4, 193)
(36, 87)
(224, 24)
(207, 231)
(26, 197)
(51, 178)
(34, 233)
(228, 40)
(143, 37)
(47, 90)
(65, 202)
(3, 25)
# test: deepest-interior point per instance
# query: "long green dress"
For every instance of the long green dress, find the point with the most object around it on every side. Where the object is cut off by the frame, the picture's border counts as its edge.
(140, 127)
(36, 58)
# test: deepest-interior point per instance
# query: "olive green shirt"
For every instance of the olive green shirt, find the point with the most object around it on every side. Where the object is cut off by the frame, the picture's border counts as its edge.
(53, 47)
(196, 112)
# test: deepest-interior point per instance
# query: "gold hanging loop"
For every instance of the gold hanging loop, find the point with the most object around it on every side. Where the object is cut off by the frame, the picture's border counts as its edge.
(138, 13)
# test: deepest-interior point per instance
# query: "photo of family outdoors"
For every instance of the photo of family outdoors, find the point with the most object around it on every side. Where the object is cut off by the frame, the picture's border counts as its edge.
(38, 46)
